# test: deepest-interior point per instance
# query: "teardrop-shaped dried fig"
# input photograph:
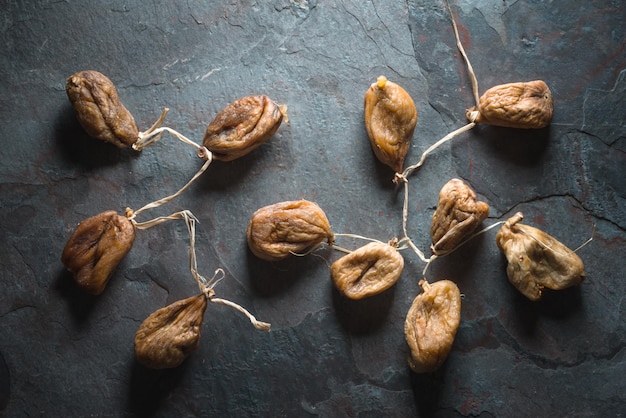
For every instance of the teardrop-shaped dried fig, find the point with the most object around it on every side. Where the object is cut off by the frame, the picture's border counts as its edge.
(99, 109)
(457, 215)
(537, 260)
(367, 271)
(96, 247)
(242, 126)
(431, 325)
(276, 231)
(168, 336)
(515, 105)
(390, 119)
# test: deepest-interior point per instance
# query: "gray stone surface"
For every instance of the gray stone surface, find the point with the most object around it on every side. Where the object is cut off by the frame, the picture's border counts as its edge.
(63, 353)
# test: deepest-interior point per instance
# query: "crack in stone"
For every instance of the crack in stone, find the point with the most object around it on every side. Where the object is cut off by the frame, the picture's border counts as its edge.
(581, 204)
(363, 28)
(613, 129)
(504, 337)
(17, 309)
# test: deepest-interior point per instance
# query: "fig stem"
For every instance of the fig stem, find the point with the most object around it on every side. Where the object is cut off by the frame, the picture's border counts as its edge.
(171, 197)
(357, 237)
(393, 242)
(435, 256)
(593, 233)
(156, 221)
(430, 260)
(145, 135)
(541, 243)
(155, 133)
(310, 250)
(206, 286)
(405, 216)
(261, 326)
(459, 45)
(338, 248)
(407, 171)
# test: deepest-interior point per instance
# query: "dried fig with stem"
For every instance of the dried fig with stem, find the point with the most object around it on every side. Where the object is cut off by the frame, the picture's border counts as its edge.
(515, 105)
(368, 271)
(457, 215)
(431, 325)
(99, 109)
(278, 230)
(537, 260)
(169, 335)
(526, 105)
(96, 247)
(390, 119)
(518, 105)
(242, 126)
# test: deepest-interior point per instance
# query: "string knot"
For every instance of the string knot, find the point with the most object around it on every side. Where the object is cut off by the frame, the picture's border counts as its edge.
(400, 178)
(473, 115)
(205, 154)
(130, 214)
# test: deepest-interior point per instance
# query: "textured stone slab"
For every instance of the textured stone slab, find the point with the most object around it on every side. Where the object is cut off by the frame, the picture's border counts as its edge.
(64, 353)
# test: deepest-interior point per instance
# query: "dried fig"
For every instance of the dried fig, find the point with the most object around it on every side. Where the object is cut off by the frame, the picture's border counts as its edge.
(95, 249)
(168, 336)
(457, 215)
(390, 119)
(537, 260)
(431, 325)
(367, 271)
(99, 109)
(515, 105)
(242, 126)
(277, 230)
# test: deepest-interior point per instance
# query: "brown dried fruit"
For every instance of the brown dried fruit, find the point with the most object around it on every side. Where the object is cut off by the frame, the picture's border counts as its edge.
(95, 249)
(277, 230)
(99, 109)
(457, 216)
(242, 126)
(367, 271)
(390, 119)
(168, 336)
(515, 105)
(431, 325)
(537, 260)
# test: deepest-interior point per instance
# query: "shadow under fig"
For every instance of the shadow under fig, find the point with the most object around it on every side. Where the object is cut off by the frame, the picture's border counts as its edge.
(427, 389)
(553, 304)
(520, 147)
(81, 304)
(79, 149)
(273, 278)
(5, 384)
(149, 388)
(365, 315)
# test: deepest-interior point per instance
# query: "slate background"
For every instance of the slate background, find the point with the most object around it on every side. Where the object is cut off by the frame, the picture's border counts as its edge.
(63, 353)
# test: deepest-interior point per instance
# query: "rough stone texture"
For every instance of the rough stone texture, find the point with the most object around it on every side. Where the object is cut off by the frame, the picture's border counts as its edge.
(64, 353)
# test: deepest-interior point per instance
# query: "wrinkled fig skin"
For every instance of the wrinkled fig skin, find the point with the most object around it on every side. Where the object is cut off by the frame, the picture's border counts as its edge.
(168, 336)
(367, 271)
(431, 325)
(457, 215)
(516, 105)
(241, 127)
(99, 109)
(390, 119)
(95, 249)
(536, 260)
(277, 230)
